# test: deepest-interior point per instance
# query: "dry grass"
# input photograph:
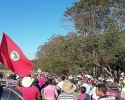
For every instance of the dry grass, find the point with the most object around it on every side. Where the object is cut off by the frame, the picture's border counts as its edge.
(6, 71)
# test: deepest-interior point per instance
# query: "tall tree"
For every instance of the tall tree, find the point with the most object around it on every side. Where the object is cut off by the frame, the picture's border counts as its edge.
(90, 16)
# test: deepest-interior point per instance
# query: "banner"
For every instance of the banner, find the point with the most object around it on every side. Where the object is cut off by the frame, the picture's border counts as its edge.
(13, 57)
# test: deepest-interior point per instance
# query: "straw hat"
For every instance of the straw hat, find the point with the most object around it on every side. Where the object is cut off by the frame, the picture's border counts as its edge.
(68, 87)
(123, 81)
(27, 81)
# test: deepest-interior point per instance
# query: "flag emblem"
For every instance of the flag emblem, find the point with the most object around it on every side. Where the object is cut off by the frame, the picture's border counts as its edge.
(14, 56)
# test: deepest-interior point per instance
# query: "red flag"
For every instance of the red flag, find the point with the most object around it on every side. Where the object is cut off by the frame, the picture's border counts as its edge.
(2, 59)
(13, 57)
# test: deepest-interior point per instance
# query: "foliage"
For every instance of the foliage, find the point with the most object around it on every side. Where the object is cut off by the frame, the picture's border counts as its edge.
(90, 16)
(99, 41)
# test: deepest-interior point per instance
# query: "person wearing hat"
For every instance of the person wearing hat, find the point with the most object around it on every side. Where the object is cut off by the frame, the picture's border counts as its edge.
(29, 91)
(68, 88)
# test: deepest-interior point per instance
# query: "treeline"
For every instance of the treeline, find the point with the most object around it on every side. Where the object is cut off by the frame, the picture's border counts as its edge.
(97, 45)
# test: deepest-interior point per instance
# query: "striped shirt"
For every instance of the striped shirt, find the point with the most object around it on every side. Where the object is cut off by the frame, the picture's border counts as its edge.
(66, 96)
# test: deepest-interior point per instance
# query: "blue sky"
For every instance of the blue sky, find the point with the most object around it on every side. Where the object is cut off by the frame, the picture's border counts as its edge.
(30, 23)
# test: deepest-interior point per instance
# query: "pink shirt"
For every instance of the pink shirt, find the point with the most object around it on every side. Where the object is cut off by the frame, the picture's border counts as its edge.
(41, 81)
(49, 92)
(81, 96)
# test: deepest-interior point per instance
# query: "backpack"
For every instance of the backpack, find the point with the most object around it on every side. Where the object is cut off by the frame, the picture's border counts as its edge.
(87, 97)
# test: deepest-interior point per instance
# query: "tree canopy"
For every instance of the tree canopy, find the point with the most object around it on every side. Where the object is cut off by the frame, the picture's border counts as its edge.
(99, 41)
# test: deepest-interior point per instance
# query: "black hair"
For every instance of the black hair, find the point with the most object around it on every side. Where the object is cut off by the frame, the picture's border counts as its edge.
(49, 81)
(63, 77)
(29, 75)
(83, 89)
(116, 80)
(104, 81)
(102, 87)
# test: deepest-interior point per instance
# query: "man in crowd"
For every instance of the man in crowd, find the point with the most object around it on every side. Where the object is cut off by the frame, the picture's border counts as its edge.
(68, 88)
(111, 92)
(100, 91)
(50, 91)
(29, 91)
(85, 84)
(61, 83)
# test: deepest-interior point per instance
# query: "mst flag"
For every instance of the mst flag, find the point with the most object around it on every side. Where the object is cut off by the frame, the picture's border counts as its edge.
(13, 57)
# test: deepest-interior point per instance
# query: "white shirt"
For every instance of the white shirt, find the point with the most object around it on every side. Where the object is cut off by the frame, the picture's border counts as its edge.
(60, 84)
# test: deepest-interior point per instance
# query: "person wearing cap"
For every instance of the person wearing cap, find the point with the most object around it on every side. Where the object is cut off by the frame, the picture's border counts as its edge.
(68, 88)
(123, 90)
(29, 91)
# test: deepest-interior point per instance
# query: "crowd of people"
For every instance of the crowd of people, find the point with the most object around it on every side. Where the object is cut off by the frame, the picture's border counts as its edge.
(45, 86)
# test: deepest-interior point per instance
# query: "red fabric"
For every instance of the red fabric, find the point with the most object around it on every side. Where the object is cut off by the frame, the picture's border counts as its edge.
(41, 81)
(43, 75)
(2, 59)
(113, 93)
(13, 57)
(30, 93)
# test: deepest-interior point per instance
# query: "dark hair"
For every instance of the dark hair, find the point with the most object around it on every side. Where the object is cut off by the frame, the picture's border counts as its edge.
(29, 75)
(63, 77)
(83, 89)
(116, 80)
(104, 81)
(102, 87)
(53, 82)
(49, 81)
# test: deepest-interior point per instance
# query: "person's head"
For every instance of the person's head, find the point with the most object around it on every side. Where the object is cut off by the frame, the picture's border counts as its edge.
(53, 82)
(101, 90)
(63, 78)
(83, 89)
(35, 81)
(109, 84)
(43, 75)
(104, 81)
(49, 81)
(27, 81)
(29, 75)
(59, 79)
(68, 87)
